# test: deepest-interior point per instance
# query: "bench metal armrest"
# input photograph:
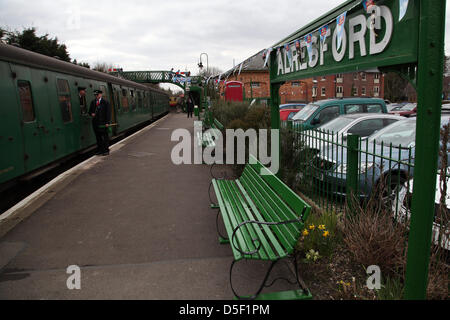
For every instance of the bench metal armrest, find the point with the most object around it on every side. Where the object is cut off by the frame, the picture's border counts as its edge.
(300, 219)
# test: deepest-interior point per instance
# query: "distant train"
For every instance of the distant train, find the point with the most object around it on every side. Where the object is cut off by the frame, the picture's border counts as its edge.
(173, 101)
(42, 117)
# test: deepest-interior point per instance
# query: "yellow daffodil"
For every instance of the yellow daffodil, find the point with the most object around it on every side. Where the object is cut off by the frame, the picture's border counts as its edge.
(322, 227)
(326, 234)
(311, 227)
(305, 232)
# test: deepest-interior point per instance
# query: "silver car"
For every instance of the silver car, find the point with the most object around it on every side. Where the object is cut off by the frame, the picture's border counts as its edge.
(336, 131)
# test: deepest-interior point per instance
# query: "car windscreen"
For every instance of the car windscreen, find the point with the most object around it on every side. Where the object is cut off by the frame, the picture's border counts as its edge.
(306, 112)
(409, 107)
(401, 133)
(336, 124)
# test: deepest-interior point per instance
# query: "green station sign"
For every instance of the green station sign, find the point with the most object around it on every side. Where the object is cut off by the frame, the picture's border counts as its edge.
(358, 35)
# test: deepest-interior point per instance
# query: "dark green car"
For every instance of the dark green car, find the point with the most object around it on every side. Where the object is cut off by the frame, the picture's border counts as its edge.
(318, 113)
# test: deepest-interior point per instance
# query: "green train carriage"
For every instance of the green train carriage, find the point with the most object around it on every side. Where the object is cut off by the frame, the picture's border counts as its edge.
(42, 118)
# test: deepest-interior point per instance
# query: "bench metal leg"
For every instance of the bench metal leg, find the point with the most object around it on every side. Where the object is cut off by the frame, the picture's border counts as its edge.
(212, 204)
(222, 238)
(299, 294)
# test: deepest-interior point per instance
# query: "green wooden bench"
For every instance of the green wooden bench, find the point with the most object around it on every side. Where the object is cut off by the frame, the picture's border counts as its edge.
(206, 139)
(263, 219)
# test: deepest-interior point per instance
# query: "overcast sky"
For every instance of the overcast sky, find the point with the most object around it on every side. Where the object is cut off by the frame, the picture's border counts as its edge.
(160, 35)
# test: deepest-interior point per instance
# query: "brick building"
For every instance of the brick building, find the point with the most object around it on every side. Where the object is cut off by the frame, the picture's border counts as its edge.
(369, 83)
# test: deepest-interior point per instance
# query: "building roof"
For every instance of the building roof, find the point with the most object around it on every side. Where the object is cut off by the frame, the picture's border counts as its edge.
(254, 63)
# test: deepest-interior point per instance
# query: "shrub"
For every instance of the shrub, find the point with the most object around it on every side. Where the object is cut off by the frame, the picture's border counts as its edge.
(226, 111)
(375, 238)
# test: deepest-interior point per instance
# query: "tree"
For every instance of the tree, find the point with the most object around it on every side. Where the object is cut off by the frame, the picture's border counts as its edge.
(81, 64)
(395, 87)
(27, 39)
(102, 67)
(212, 71)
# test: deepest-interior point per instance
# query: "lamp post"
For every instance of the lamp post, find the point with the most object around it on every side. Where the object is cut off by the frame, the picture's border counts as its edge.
(200, 64)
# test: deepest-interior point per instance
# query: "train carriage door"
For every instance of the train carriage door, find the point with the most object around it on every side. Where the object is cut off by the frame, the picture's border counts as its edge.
(29, 121)
(113, 103)
(43, 113)
(70, 142)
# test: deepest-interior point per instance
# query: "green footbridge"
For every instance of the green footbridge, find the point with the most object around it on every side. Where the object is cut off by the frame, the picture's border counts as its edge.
(191, 85)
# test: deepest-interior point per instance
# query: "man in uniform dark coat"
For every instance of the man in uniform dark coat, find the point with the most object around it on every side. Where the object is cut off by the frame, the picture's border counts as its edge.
(100, 110)
(189, 107)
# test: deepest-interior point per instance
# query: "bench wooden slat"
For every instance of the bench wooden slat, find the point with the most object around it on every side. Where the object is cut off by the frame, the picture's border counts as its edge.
(240, 236)
(266, 251)
(280, 209)
(274, 209)
(270, 235)
(289, 197)
(267, 213)
(225, 216)
(243, 232)
(250, 231)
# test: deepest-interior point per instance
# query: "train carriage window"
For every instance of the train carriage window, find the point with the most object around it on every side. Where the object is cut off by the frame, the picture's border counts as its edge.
(117, 98)
(125, 100)
(26, 101)
(132, 100)
(64, 100)
(139, 94)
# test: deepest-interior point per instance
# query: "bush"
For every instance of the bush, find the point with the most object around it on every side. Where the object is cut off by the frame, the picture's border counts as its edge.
(375, 238)
(226, 111)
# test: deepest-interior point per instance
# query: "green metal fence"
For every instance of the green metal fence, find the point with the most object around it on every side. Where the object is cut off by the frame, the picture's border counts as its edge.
(336, 168)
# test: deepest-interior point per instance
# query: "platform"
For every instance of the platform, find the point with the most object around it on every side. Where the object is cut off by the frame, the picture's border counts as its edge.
(138, 226)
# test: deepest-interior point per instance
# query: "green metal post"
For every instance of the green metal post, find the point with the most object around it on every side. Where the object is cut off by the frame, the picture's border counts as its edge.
(352, 168)
(429, 94)
(275, 113)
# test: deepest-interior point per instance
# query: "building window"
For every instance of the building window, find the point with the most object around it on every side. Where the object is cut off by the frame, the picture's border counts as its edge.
(376, 78)
(314, 91)
(323, 91)
(363, 76)
(339, 76)
(355, 76)
(295, 84)
(363, 91)
(354, 91)
(376, 91)
(339, 91)
(255, 84)
(26, 101)
(324, 78)
(64, 100)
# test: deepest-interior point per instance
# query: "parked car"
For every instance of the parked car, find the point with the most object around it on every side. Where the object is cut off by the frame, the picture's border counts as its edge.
(336, 131)
(292, 105)
(391, 106)
(319, 113)
(406, 111)
(401, 207)
(287, 114)
(389, 153)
